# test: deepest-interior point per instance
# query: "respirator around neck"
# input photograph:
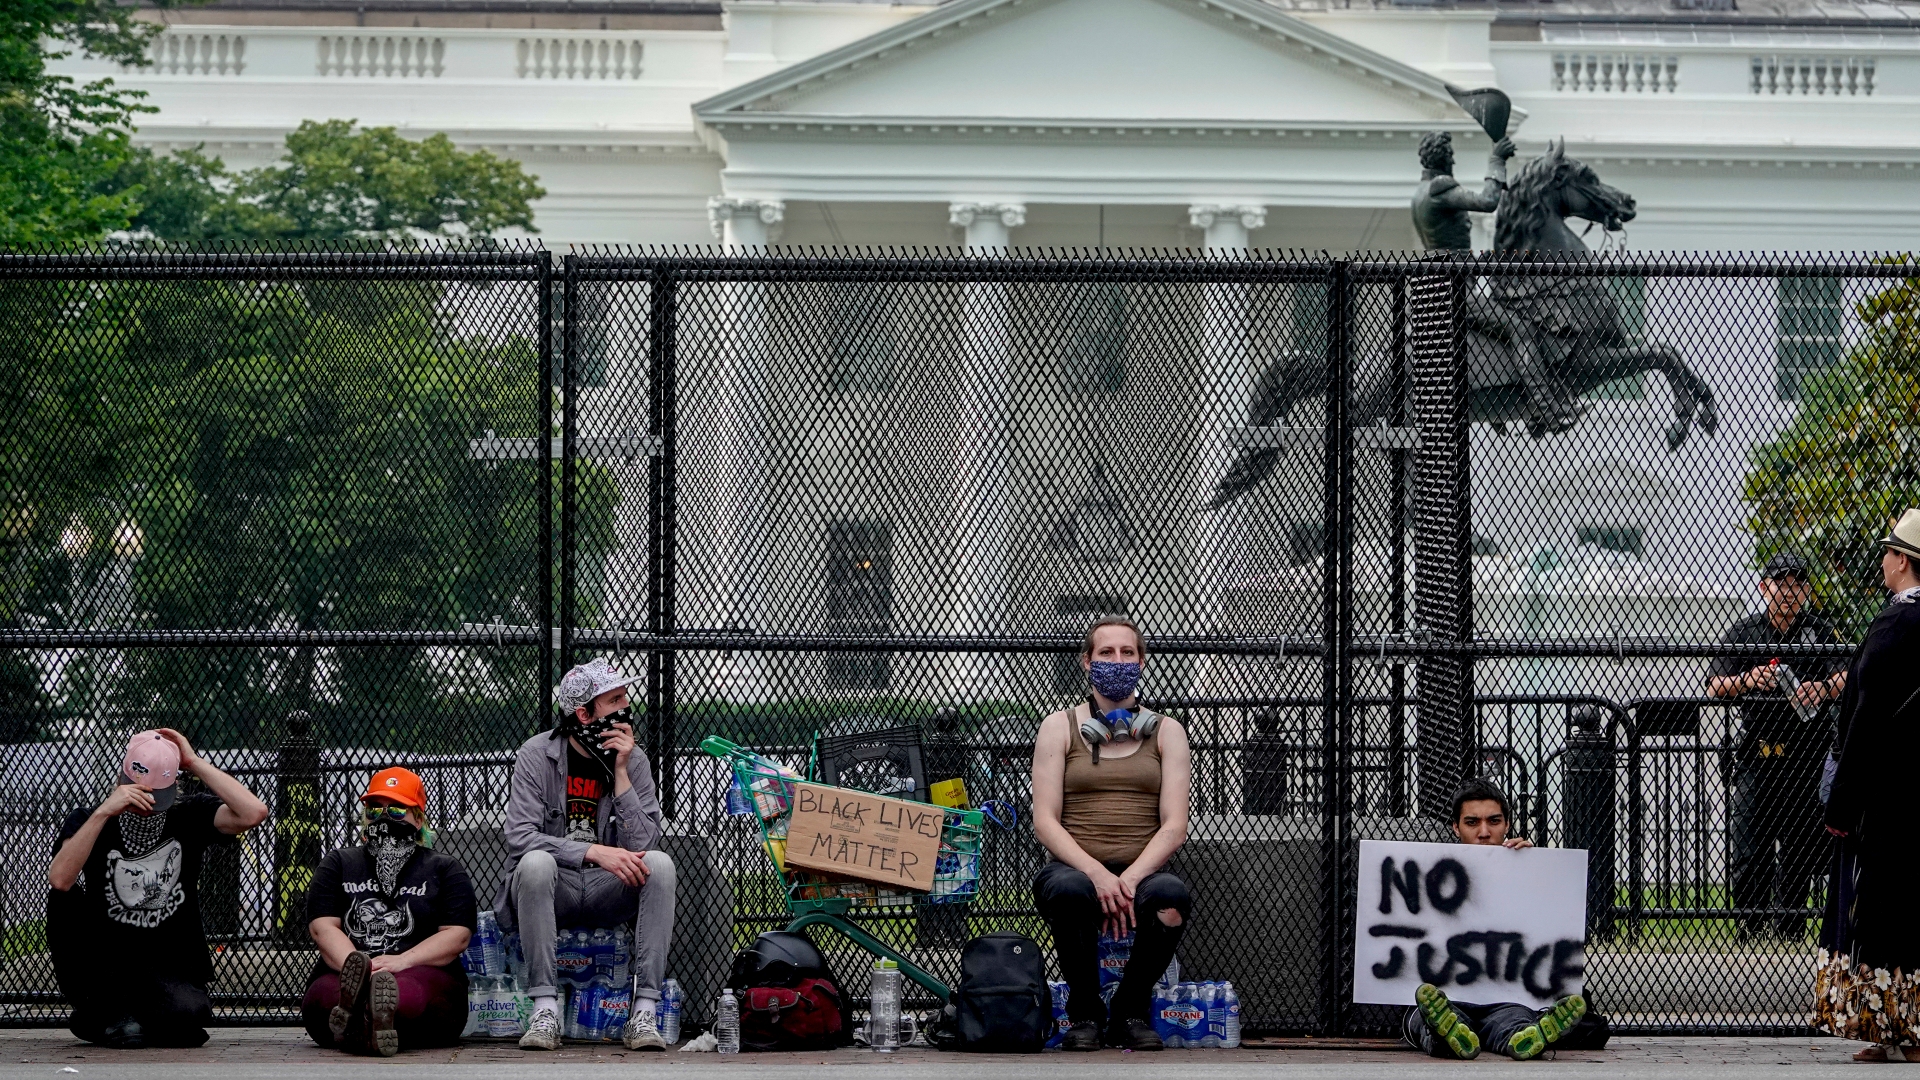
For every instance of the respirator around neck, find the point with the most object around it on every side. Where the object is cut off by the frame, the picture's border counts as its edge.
(1099, 730)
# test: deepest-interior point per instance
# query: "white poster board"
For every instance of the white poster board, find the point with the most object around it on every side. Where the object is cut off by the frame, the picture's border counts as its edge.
(1485, 924)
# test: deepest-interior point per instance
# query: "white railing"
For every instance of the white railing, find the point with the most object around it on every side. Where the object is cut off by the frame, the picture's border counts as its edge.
(577, 58)
(1616, 73)
(177, 53)
(1813, 76)
(403, 56)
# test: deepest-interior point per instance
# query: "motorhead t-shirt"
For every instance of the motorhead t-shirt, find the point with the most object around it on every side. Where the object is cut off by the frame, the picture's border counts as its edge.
(144, 881)
(432, 891)
(587, 783)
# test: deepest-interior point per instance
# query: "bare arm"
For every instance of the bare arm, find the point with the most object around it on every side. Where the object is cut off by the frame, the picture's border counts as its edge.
(1176, 786)
(335, 945)
(1049, 785)
(72, 856)
(240, 809)
(437, 951)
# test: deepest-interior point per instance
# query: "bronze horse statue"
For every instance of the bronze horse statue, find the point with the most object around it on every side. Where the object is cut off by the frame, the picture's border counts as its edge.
(1575, 319)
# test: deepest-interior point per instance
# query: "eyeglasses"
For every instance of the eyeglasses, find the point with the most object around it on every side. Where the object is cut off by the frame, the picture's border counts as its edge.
(1789, 577)
(391, 813)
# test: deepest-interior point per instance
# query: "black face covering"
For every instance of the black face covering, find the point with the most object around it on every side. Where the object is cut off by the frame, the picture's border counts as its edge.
(391, 842)
(590, 732)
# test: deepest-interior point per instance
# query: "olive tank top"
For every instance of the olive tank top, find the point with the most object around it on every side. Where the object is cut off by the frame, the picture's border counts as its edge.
(1111, 809)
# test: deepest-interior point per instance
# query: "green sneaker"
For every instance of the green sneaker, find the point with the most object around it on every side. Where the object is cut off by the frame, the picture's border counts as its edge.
(1532, 1041)
(1438, 1012)
(1562, 1017)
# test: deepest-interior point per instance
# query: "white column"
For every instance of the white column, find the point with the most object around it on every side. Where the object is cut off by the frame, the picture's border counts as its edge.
(981, 498)
(1228, 372)
(741, 438)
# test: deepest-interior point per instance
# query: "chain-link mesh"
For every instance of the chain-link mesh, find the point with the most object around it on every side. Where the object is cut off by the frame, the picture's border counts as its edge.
(1386, 521)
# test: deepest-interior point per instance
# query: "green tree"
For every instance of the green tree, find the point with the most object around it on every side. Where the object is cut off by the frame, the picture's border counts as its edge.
(335, 184)
(1849, 461)
(61, 141)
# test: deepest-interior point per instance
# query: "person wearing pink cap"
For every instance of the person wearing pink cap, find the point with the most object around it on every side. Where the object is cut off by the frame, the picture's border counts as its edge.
(125, 896)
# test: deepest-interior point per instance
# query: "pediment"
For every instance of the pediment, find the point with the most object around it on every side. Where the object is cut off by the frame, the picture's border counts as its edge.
(1093, 63)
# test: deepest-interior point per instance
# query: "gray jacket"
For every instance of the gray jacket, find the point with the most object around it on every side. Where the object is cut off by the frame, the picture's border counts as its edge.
(537, 813)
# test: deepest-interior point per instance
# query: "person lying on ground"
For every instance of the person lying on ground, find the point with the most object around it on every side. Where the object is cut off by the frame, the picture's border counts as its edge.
(391, 917)
(1110, 797)
(128, 950)
(1457, 1029)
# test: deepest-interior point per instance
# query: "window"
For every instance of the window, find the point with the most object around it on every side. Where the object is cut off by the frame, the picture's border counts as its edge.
(1075, 613)
(1096, 340)
(1630, 300)
(1625, 539)
(1812, 332)
(860, 337)
(859, 600)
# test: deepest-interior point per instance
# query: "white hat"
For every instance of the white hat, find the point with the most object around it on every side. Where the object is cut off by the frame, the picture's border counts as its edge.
(589, 681)
(1904, 535)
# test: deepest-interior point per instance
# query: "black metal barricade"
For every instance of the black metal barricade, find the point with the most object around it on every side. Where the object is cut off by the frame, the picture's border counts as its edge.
(329, 511)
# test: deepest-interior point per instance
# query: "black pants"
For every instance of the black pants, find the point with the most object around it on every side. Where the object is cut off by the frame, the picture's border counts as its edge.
(1495, 1024)
(1779, 844)
(103, 991)
(1067, 901)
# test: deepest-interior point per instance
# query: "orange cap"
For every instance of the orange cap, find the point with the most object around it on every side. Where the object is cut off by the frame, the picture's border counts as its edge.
(401, 785)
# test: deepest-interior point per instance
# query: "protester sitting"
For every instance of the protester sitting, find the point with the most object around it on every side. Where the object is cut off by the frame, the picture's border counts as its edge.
(391, 917)
(1458, 1029)
(128, 949)
(1110, 791)
(581, 818)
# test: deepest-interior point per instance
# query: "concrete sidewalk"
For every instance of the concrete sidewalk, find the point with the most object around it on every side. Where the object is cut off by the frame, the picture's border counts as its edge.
(286, 1053)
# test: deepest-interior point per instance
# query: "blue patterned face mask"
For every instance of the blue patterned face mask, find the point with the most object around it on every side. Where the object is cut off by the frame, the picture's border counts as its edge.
(1114, 680)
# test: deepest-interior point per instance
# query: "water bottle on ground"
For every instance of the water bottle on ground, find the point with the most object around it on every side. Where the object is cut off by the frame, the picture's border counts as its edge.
(883, 1009)
(672, 1003)
(1230, 1034)
(477, 989)
(1193, 1018)
(726, 1024)
(1212, 1013)
(1159, 1003)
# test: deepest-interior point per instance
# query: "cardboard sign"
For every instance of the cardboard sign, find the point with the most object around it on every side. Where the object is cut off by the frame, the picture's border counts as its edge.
(1485, 924)
(871, 837)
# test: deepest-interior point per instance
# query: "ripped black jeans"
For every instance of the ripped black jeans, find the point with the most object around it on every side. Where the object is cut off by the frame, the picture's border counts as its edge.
(1068, 903)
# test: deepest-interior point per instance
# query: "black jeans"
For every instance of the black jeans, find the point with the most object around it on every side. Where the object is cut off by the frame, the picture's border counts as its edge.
(1779, 844)
(1067, 902)
(1495, 1024)
(103, 991)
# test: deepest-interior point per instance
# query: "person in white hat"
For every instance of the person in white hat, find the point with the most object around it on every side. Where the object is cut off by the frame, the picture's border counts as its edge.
(123, 913)
(1867, 985)
(583, 822)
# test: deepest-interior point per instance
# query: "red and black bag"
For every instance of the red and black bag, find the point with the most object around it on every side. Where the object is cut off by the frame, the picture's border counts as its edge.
(805, 1016)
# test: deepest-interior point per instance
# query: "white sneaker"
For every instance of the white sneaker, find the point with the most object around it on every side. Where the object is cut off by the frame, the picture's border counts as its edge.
(543, 1031)
(643, 1032)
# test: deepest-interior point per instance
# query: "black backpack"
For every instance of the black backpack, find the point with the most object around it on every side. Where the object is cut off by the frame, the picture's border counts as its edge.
(1002, 1005)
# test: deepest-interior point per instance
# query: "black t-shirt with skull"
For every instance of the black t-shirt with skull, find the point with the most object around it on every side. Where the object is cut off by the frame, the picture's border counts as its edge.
(432, 891)
(144, 883)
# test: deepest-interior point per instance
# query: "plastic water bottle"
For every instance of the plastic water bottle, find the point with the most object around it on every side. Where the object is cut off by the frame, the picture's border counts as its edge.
(1113, 954)
(726, 1023)
(883, 1009)
(493, 954)
(600, 950)
(1230, 1032)
(737, 802)
(583, 1013)
(613, 1008)
(1193, 1018)
(1212, 1013)
(622, 956)
(516, 960)
(672, 1003)
(1158, 1004)
(1057, 1032)
(477, 989)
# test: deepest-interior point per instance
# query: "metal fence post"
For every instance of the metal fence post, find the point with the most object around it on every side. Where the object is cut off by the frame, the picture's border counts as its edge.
(296, 828)
(1397, 555)
(663, 511)
(1442, 534)
(543, 476)
(1336, 663)
(569, 434)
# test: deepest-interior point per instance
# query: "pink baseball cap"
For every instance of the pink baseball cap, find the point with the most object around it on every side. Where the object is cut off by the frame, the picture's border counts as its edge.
(153, 762)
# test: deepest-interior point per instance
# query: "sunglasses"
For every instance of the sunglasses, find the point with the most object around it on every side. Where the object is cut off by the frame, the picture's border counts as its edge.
(1789, 577)
(386, 813)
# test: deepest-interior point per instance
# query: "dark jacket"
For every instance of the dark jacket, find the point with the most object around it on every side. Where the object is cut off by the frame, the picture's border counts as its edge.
(1878, 733)
(537, 813)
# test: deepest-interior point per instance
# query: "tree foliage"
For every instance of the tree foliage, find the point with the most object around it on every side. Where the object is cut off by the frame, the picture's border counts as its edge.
(1849, 461)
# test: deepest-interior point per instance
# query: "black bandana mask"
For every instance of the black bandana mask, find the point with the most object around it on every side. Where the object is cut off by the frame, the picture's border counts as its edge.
(592, 731)
(391, 843)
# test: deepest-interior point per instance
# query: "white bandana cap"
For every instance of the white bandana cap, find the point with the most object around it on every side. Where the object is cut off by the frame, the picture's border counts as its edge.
(589, 681)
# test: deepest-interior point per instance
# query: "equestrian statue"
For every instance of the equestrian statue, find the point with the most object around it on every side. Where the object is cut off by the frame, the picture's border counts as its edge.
(1533, 345)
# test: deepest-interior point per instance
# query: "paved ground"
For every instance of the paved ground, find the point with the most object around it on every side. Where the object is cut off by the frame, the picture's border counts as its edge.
(285, 1054)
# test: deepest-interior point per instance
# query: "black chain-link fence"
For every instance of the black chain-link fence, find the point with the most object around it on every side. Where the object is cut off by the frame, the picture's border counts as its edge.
(1388, 522)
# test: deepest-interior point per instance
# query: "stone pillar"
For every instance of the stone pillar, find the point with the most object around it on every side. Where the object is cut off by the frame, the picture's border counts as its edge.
(741, 437)
(980, 501)
(1227, 374)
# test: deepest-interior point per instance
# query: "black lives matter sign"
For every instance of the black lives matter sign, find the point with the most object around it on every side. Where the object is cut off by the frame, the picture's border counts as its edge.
(864, 836)
(1485, 924)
